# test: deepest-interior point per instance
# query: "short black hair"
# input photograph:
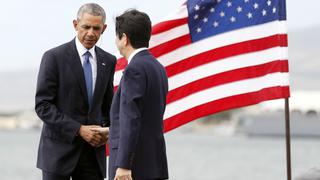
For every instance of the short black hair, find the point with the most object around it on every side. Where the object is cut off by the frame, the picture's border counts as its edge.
(137, 27)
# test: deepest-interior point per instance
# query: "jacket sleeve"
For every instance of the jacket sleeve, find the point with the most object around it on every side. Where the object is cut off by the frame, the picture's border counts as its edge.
(46, 97)
(133, 87)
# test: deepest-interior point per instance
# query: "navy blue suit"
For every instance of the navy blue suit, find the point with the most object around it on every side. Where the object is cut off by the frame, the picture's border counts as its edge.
(62, 104)
(136, 131)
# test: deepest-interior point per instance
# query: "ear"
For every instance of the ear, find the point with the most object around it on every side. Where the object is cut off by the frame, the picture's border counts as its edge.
(75, 24)
(104, 28)
(125, 39)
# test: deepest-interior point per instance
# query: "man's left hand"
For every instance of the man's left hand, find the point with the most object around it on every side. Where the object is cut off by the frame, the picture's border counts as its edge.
(123, 174)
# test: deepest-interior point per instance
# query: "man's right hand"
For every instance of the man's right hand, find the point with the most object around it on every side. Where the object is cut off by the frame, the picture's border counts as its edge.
(88, 133)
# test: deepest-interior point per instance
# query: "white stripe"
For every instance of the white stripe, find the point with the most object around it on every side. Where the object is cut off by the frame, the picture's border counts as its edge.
(169, 35)
(227, 64)
(182, 12)
(240, 35)
(227, 90)
(117, 77)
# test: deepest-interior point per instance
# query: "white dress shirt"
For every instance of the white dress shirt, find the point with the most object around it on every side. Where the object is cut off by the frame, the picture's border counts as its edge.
(135, 52)
(93, 60)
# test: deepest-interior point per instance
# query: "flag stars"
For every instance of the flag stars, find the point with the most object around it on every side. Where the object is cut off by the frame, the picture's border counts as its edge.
(274, 10)
(197, 7)
(215, 24)
(264, 12)
(229, 4)
(269, 3)
(251, 10)
(233, 19)
(239, 9)
(222, 14)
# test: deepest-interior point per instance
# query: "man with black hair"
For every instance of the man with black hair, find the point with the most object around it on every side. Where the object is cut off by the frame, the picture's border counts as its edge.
(137, 145)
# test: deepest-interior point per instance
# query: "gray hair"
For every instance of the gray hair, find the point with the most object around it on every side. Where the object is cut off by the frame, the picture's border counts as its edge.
(93, 9)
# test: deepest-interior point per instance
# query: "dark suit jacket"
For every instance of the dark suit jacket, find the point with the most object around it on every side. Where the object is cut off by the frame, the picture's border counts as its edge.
(136, 132)
(62, 104)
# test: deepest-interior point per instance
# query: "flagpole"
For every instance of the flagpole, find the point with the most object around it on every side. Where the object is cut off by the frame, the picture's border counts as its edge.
(288, 144)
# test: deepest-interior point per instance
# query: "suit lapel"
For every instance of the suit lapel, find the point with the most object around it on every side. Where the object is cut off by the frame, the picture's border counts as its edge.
(101, 76)
(76, 67)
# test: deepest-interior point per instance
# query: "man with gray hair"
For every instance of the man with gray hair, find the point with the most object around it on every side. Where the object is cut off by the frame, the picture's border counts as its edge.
(73, 98)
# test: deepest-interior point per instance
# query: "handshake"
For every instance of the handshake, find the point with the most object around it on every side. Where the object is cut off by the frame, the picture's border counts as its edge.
(95, 135)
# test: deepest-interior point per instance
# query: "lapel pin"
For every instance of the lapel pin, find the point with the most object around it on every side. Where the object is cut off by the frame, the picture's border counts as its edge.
(103, 64)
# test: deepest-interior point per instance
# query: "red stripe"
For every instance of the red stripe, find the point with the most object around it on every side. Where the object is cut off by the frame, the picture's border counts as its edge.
(160, 49)
(212, 55)
(167, 25)
(107, 150)
(121, 63)
(227, 77)
(227, 51)
(170, 45)
(225, 104)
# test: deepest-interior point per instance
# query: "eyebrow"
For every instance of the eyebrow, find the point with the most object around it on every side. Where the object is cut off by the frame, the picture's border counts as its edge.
(88, 26)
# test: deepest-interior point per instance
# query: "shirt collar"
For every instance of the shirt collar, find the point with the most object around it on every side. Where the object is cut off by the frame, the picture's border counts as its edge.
(135, 52)
(81, 49)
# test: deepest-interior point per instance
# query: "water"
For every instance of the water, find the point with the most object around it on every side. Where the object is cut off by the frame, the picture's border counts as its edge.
(191, 156)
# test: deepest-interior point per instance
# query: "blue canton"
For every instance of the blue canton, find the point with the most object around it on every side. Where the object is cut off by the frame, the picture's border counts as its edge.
(211, 17)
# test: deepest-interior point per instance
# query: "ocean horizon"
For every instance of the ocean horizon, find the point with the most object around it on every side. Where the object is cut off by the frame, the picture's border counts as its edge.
(191, 156)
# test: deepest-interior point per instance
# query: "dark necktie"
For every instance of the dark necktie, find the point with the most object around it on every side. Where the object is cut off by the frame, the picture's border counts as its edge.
(88, 76)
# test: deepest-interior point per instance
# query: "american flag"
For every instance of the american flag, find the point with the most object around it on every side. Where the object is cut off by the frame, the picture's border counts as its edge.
(220, 55)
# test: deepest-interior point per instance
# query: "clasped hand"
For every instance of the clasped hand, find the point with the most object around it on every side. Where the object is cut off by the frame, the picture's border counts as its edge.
(95, 135)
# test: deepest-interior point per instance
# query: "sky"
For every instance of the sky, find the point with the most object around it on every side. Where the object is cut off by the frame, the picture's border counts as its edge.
(29, 28)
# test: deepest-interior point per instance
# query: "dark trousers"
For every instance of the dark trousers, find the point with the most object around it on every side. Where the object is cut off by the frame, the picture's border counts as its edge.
(86, 169)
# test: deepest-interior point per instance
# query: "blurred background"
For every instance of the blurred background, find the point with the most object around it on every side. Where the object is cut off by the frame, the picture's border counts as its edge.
(246, 143)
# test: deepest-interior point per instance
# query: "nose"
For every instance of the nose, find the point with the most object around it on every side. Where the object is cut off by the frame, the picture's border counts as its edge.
(90, 32)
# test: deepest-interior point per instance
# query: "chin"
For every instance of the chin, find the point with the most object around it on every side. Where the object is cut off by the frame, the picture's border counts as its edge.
(89, 46)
